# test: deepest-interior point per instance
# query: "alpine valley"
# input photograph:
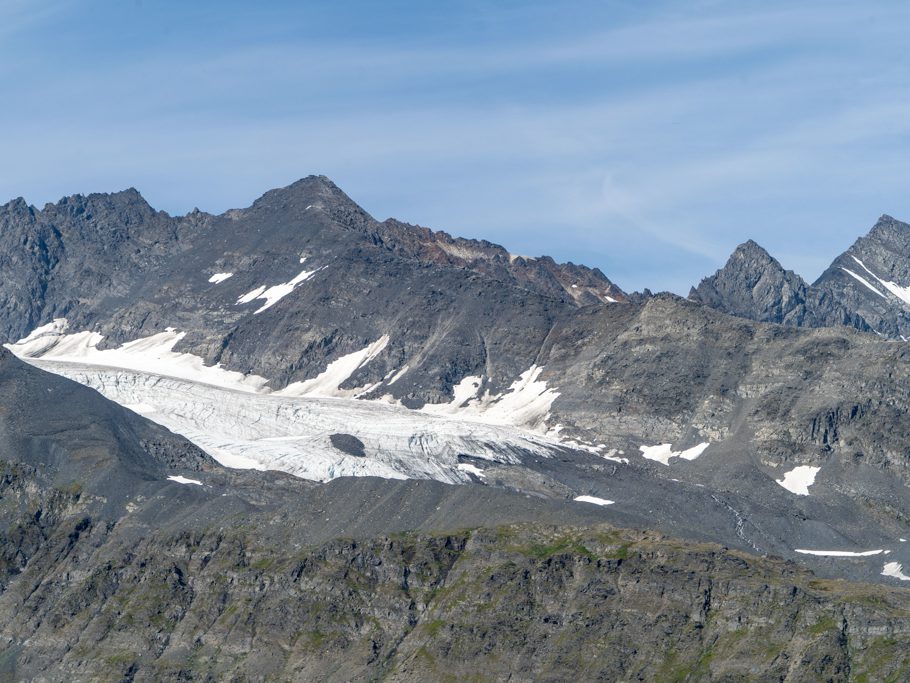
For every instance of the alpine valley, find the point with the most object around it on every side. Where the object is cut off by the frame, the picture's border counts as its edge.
(292, 442)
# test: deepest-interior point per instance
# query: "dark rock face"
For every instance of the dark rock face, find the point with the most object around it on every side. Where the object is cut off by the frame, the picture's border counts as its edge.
(347, 443)
(77, 252)
(109, 571)
(65, 431)
(768, 398)
(452, 307)
(238, 600)
(754, 285)
(108, 568)
(866, 287)
(540, 274)
(632, 374)
(872, 277)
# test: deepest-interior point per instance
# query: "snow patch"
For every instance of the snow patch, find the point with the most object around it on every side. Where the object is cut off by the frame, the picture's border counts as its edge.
(219, 277)
(465, 390)
(610, 455)
(799, 479)
(155, 354)
(398, 375)
(526, 403)
(895, 570)
(40, 339)
(250, 296)
(863, 281)
(141, 408)
(839, 553)
(184, 480)
(694, 452)
(275, 293)
(593, 499)
(662, 453)
(902, 293)
(329, 381)
(149, 354)
(471, 469)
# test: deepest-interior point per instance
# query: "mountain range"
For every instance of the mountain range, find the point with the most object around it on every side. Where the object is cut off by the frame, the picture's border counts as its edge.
(406, 408)
(861, 288)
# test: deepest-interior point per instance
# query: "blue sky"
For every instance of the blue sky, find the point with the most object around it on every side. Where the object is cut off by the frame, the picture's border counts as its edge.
(647, 139)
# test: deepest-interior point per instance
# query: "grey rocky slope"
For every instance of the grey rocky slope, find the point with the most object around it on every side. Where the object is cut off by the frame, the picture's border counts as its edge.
(484, 605)
(109, 571)
(112, 264)
(872, 278)
(768, 402)
(63, 432)
(689, 420)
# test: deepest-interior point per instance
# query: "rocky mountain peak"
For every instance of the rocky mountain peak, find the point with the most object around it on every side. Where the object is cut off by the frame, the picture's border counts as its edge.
(751, 252)
(124, 208)
(755, 285)
(311, 189)
(313, 195)
(891, 234)
(889, 223)
(313, 186)
(17, 210)
(16, 205)
(750, 284)
(871, 278)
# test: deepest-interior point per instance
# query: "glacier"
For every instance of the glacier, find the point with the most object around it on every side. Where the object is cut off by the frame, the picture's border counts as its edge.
(237, 420)
(291, 433)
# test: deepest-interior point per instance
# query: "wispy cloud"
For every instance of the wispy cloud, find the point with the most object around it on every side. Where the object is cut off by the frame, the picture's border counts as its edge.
(652, 140)
(17, 16)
